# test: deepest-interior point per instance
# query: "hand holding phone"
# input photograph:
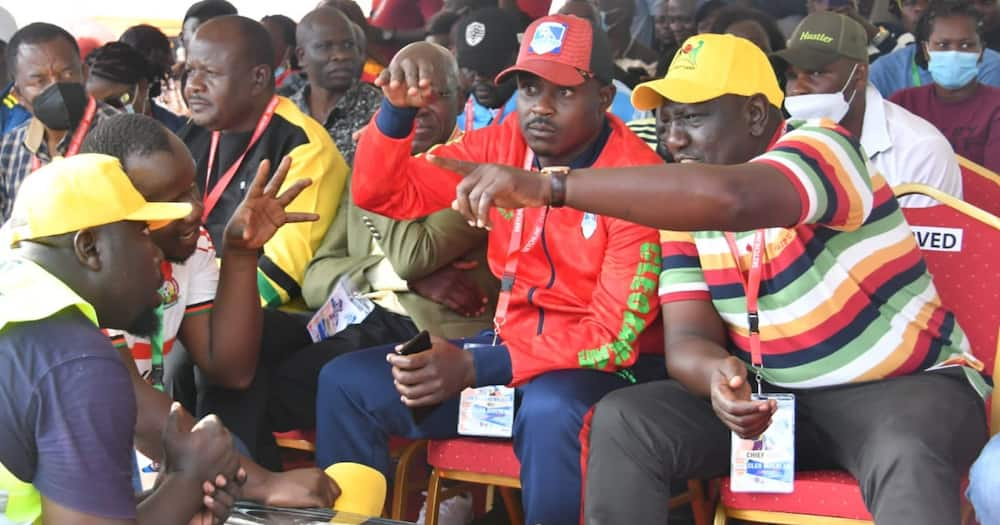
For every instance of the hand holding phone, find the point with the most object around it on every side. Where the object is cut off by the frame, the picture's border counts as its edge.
(419, 343)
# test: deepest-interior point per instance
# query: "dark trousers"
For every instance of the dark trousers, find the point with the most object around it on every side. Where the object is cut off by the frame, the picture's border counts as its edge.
(359, 408)
(282, 395)
(908, 440)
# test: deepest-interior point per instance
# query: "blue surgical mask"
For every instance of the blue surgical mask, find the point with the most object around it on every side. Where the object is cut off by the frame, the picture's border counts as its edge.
(953, 69)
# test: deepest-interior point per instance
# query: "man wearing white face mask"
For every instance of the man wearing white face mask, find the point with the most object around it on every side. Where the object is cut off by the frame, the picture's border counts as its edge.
(826, 66)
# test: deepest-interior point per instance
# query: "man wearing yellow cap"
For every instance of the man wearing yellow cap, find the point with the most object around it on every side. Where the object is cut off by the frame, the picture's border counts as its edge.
(82, 259)
(823, 293)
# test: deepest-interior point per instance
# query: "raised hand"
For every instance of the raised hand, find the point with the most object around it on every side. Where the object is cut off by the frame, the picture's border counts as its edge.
(411, 80)
(262, 211)
(488, 185)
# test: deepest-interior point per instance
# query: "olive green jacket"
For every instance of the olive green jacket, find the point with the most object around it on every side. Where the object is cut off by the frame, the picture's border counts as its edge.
(416, 249)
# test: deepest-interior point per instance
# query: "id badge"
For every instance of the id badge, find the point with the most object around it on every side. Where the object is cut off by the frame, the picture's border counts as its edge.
(148, 470)
(767, 464)
(486, 411)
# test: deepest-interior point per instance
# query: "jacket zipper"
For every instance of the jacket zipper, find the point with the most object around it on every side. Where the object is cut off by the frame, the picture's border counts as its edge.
(548, 286)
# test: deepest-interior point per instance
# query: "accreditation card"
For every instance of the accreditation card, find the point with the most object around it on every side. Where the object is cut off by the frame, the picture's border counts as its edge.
(767, 464)
(486, 411)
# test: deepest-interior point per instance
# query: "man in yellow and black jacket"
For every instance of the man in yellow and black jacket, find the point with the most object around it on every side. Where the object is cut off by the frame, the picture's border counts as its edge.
(237, 122)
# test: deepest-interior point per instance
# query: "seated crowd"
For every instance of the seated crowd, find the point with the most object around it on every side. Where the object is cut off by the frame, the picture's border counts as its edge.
(636, 215)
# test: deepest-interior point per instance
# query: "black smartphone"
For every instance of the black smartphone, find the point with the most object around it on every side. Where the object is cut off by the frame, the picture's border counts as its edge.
(419, 343)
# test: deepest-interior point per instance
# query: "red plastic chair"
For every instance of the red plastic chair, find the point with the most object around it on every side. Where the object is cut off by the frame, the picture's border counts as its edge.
(966, 279)
(492, 462)
(404, 450)
(980, 186)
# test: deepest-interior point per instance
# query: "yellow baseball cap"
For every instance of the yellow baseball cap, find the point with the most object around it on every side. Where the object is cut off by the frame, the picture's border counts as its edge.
(80, 192)
(362, 488)
(709, 66)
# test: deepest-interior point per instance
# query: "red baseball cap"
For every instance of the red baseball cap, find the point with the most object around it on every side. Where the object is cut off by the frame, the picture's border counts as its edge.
(565, 50)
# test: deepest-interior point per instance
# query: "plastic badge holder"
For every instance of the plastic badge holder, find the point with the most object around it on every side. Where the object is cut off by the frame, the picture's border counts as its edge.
(486, 411)
(767, 464)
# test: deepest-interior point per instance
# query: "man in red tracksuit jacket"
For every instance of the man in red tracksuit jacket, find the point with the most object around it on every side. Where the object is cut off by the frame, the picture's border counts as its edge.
(581, 288)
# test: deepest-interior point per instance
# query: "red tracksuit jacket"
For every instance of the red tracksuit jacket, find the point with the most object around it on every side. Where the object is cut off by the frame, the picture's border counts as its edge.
(583, 293)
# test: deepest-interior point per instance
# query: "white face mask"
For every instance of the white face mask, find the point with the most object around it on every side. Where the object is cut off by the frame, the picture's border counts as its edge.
(821, 105)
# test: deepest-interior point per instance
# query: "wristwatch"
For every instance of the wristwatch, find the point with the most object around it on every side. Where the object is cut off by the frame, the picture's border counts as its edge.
(557, 184)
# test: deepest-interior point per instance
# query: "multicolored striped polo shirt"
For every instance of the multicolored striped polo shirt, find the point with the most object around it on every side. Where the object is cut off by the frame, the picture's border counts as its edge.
(845, 295)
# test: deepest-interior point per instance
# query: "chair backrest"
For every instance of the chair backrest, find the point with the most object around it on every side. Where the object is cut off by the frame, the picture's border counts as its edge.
(980, 186)
(961, 244)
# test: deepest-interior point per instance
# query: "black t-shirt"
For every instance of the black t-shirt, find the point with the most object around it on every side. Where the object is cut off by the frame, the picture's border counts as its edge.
(67, 414)
(278, 140)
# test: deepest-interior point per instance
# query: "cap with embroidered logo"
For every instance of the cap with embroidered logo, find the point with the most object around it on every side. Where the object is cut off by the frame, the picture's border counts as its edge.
(822, 38)
(83, 191)
(707, 67)
(486, 40)
(565, 50)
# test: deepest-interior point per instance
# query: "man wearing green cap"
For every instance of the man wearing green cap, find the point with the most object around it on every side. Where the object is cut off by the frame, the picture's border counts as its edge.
(82, 259)
(822, 294)
(826, 66)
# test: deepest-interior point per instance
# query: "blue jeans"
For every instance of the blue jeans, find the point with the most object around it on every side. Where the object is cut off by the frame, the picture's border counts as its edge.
(984, 483)
(358, 408)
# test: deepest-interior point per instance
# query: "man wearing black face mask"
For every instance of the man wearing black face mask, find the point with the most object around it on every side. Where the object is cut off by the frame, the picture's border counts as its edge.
(486, 44)
(48, 81)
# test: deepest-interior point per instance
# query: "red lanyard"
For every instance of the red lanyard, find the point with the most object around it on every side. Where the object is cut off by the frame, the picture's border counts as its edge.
(751, 286)
(282, 77)
(470, 115)
(514, 251)
(81, 132)
(212, 197)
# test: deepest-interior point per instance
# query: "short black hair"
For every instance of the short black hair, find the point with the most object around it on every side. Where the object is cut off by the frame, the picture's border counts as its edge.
(943, 9)
(287, 26)
(732, 14)
(208, 9)
(125, 135)
(253, 37)
(36, 33)
(351, 10)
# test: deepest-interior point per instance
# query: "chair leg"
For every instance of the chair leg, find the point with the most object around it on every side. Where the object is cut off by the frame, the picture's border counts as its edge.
(433, 495)
(513, 504)
(401, 485)
(700, 506)
(491, 494)
(720, 515)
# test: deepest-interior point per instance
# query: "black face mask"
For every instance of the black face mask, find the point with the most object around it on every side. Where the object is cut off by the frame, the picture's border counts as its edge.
(60, 106)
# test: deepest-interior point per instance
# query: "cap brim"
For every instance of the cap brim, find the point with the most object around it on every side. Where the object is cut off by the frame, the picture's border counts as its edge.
(558, 74)
(650, 95)
(803, 58)
(159, 214)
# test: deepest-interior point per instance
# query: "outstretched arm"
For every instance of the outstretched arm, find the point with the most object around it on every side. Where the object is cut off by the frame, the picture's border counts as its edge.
(683, 197)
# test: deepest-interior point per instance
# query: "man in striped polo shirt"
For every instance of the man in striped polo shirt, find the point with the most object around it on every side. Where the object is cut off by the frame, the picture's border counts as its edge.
(849, 319)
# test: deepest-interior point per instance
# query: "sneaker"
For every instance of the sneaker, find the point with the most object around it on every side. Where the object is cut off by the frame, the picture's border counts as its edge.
(456, 510)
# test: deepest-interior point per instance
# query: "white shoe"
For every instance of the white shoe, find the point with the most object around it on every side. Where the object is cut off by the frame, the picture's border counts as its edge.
(456, 510)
